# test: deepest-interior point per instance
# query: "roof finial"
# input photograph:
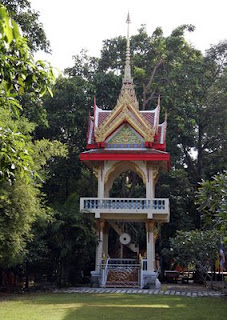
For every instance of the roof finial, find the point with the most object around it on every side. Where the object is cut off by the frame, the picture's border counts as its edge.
(127, 74)
(127, 89)
(128, 21)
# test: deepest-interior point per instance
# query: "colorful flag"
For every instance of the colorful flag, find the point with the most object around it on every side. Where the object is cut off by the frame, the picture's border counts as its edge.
(222, 257)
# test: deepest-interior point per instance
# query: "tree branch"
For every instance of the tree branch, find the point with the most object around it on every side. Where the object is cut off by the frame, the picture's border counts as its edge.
(148, 86)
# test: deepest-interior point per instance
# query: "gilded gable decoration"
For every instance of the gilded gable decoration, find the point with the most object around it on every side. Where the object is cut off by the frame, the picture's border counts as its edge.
(125, 137)
(125, 113)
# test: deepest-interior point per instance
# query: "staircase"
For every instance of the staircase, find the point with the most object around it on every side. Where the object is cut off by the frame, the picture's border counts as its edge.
(128, 228)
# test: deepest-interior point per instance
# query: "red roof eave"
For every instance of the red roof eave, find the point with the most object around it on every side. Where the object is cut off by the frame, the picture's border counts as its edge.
(122, 157)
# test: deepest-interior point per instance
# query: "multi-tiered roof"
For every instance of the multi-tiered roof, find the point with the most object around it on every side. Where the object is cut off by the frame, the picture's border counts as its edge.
(126, 133)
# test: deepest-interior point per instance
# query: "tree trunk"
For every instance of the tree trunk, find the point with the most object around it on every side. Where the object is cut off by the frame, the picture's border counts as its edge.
(200, 152)
(26, 277)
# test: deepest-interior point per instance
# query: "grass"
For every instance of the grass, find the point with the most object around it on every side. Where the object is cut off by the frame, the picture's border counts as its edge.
(67, 306)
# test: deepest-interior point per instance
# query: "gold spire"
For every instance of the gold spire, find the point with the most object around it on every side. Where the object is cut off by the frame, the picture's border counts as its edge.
(127, 84)
(127, 74)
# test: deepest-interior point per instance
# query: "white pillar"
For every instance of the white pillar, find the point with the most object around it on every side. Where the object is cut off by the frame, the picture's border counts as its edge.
(152, 173)
(100, 182)
(150, 246)
(99, 247)
(149, 183)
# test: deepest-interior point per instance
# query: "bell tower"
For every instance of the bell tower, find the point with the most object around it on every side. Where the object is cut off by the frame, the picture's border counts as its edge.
(121, 140)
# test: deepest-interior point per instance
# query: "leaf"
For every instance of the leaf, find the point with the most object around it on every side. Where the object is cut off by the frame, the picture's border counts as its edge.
(50, 92)
(8, 30)
(16, 31)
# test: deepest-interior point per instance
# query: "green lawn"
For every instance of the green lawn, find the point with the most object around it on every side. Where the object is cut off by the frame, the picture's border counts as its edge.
(66, 306)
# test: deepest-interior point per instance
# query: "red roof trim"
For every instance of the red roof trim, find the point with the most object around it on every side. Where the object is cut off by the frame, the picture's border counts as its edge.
(159, 146)
(92, 146)
(122, 157)
(97, 145)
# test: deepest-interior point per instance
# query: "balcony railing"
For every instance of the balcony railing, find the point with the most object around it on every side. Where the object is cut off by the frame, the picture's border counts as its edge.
(125, 205)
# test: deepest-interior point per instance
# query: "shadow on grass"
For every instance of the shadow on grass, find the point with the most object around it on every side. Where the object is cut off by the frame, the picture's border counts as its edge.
(67, 306)
(149, 307)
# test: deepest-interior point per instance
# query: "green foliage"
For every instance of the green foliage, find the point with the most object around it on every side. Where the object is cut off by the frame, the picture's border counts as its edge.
(71, 240)
(22, 164)
(28, 20)
(67, 115)
(128, 185)
(176, 186)
(19, 207)
(63, 243)
(198, 249)
(15, 153)
(19, 74)
(212, 201)
(22, 159)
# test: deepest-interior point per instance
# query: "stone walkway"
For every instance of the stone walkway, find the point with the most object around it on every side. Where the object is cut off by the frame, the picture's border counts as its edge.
(166, 291)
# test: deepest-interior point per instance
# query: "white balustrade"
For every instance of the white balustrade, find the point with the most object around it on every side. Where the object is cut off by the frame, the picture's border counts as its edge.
(125, 205)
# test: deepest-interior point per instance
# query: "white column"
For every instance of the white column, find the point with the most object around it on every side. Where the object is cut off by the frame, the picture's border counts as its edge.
(100, 182)
(152, 174)
(150, 246)
(150, 183)
(99, 247)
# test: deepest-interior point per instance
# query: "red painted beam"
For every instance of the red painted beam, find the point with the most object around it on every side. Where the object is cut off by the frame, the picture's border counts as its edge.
(122, 157)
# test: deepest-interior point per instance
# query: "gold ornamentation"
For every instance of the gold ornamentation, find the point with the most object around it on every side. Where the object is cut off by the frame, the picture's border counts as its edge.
(155, 171)
(156, 230)
(100, 225)
(149, 226)
(153, 226)
(125, 111)
(125, 136)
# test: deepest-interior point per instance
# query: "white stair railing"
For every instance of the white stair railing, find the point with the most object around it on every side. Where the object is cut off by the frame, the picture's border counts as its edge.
(104, 272)
(143, 267)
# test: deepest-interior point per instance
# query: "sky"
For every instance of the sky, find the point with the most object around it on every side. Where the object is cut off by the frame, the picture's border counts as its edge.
(73, 25)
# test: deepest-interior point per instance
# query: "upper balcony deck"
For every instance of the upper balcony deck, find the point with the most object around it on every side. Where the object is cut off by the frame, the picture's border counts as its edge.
(127, 207)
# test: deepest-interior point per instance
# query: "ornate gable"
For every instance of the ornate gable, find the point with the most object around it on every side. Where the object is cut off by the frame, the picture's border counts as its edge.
(125, 111)
(125, 137)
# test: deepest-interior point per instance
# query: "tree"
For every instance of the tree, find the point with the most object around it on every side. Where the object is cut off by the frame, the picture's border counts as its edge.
(212, 201)
(28, 20)
(70, 239)
(19, 74)
(20, 204)
(67, 115)
(21, 201)
(198, 249)
(22, 159)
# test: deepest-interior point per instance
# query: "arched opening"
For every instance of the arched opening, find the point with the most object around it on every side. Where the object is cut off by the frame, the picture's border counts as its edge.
(128, 185)
(125, 180)
(126, 238)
